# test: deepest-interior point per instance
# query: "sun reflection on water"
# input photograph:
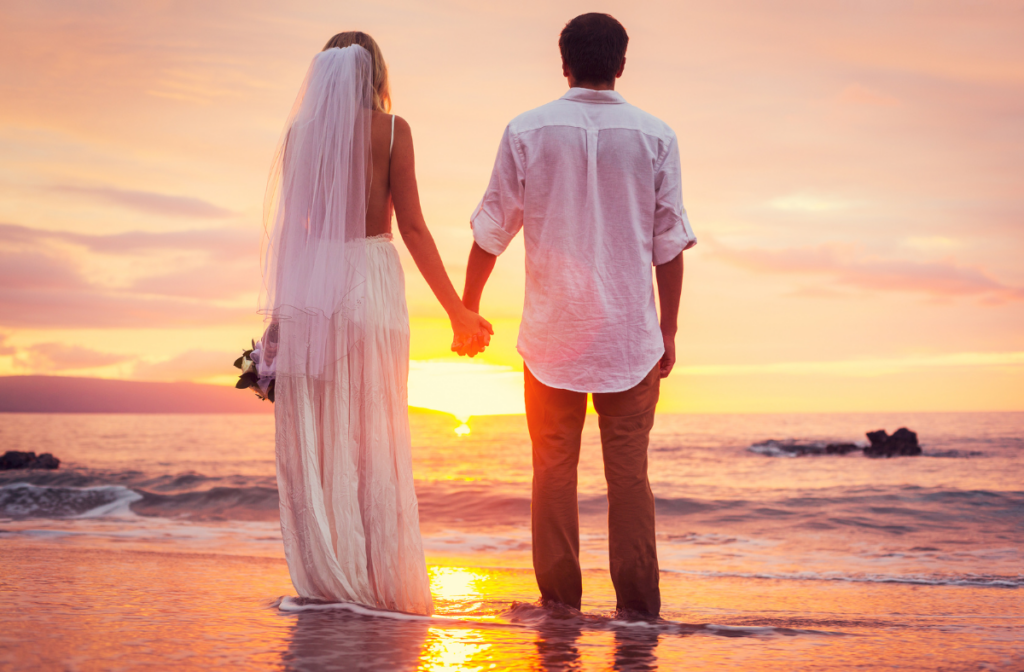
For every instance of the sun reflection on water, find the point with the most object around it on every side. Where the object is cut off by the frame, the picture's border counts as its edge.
(456, 583)
(454, 650)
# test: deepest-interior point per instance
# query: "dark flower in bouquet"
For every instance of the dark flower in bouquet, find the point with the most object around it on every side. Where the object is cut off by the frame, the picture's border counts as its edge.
(251, 379)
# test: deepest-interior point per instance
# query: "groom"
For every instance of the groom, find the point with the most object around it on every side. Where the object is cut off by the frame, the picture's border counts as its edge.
(595, 185)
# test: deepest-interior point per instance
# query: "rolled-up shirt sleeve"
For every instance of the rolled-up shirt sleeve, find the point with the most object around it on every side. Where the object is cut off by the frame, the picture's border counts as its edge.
(498, 218)
(672, 232)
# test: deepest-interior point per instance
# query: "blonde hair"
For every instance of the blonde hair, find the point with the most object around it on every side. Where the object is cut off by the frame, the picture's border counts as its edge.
(381, 90)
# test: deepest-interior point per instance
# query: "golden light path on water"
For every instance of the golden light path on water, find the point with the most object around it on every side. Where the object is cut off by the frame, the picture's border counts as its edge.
(444, 650)
(458, 590)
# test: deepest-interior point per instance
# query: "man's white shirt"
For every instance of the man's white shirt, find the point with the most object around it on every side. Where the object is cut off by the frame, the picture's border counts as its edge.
(595, 184)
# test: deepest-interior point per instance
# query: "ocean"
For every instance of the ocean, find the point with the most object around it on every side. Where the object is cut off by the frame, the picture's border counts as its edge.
(156, 543)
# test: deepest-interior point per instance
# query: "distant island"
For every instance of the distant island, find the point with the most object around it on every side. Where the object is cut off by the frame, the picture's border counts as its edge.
(65, 394)
(62, 394)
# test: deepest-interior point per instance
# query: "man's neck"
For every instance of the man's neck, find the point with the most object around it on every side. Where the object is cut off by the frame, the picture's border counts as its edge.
(603, 86)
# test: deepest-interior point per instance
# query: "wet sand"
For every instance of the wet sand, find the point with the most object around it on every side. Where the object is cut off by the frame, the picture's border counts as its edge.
(73, 606)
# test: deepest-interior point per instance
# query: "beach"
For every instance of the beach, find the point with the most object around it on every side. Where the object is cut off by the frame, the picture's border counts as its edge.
(156, 545)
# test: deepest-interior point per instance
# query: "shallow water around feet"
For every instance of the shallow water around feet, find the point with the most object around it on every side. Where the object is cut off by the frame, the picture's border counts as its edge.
(156, 544)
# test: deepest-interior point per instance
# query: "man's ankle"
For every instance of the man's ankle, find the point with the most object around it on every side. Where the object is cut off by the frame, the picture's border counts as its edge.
(635, 615)
(558, 609)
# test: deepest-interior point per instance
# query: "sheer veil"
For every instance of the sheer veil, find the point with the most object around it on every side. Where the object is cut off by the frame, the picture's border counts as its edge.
(314, 266)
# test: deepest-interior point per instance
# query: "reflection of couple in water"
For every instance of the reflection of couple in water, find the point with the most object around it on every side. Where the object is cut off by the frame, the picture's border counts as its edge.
(594, 184)
(340, 640)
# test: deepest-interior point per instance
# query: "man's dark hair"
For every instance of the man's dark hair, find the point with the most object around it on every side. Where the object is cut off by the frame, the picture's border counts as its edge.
(593, 46)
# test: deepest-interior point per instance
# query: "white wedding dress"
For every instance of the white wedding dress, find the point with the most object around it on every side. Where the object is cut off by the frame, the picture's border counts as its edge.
(349, 515)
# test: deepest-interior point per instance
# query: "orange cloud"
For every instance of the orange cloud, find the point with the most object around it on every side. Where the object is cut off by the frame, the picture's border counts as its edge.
(192, 365)
(858, 94)
(53, 357)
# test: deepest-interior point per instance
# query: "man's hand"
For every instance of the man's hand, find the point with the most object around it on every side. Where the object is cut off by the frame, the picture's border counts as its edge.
(472, 333)
(475, 337)
(668, 360)
(670, 286)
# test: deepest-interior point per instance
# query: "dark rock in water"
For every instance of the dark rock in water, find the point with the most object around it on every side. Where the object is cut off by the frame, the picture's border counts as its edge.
(956, 453)
(903, 442)
(794, 449)
(14, 459)
(841, 448)
(45, 461)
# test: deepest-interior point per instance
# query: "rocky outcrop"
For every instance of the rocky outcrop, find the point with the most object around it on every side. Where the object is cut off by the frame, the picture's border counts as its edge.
(841, 448)
(14, 459)
(903, 442)
(794, 449)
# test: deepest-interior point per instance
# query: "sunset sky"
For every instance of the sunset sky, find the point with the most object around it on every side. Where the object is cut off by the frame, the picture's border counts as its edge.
(854, 173)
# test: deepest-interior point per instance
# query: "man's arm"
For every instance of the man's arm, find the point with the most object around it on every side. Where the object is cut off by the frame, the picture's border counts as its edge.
(478, 270)
(670, 288)
(495, 223)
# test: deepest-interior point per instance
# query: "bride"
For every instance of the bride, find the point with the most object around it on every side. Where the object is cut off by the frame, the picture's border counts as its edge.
(338, 334)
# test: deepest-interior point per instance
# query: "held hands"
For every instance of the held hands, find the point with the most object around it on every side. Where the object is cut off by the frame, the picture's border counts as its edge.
(472, 333)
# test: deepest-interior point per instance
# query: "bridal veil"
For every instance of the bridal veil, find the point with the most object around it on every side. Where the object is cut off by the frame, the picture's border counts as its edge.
(314, 266)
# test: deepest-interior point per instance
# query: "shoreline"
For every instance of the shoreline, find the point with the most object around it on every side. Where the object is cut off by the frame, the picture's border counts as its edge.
(132, 609)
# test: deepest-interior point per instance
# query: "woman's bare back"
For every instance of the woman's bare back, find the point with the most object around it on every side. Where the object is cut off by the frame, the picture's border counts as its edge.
(378, 205)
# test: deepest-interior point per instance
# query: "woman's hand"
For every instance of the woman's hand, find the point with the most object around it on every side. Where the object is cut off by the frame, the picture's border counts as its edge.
(472, 332)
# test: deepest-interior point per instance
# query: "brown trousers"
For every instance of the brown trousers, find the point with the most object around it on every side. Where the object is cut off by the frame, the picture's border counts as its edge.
(555, 418)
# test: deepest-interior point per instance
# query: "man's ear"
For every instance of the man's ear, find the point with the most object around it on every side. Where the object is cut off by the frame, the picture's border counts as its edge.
(565, 69)
(621, 68)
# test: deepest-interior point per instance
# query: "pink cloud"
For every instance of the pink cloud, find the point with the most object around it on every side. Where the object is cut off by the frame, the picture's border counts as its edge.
(42, 285)
(222, 281)
(149, 202)
(224, 243)
(89, 307)
(35, 270)
(849, 266)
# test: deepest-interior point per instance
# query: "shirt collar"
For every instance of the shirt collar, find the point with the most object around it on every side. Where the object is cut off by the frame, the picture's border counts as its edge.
(580, 95)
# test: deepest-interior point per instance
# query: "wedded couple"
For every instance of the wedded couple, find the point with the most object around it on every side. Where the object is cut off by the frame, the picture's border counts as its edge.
(595, 185)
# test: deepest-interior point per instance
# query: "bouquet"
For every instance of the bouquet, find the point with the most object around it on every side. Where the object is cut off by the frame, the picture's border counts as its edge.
(250, 379)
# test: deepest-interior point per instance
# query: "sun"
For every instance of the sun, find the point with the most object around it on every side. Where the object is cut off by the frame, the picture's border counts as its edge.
(465, 389)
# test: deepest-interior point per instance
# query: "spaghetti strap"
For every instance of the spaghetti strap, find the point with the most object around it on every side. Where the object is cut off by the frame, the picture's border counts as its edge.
(392, 146)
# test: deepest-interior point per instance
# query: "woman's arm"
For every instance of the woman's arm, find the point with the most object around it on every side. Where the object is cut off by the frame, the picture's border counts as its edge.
(405, 195)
